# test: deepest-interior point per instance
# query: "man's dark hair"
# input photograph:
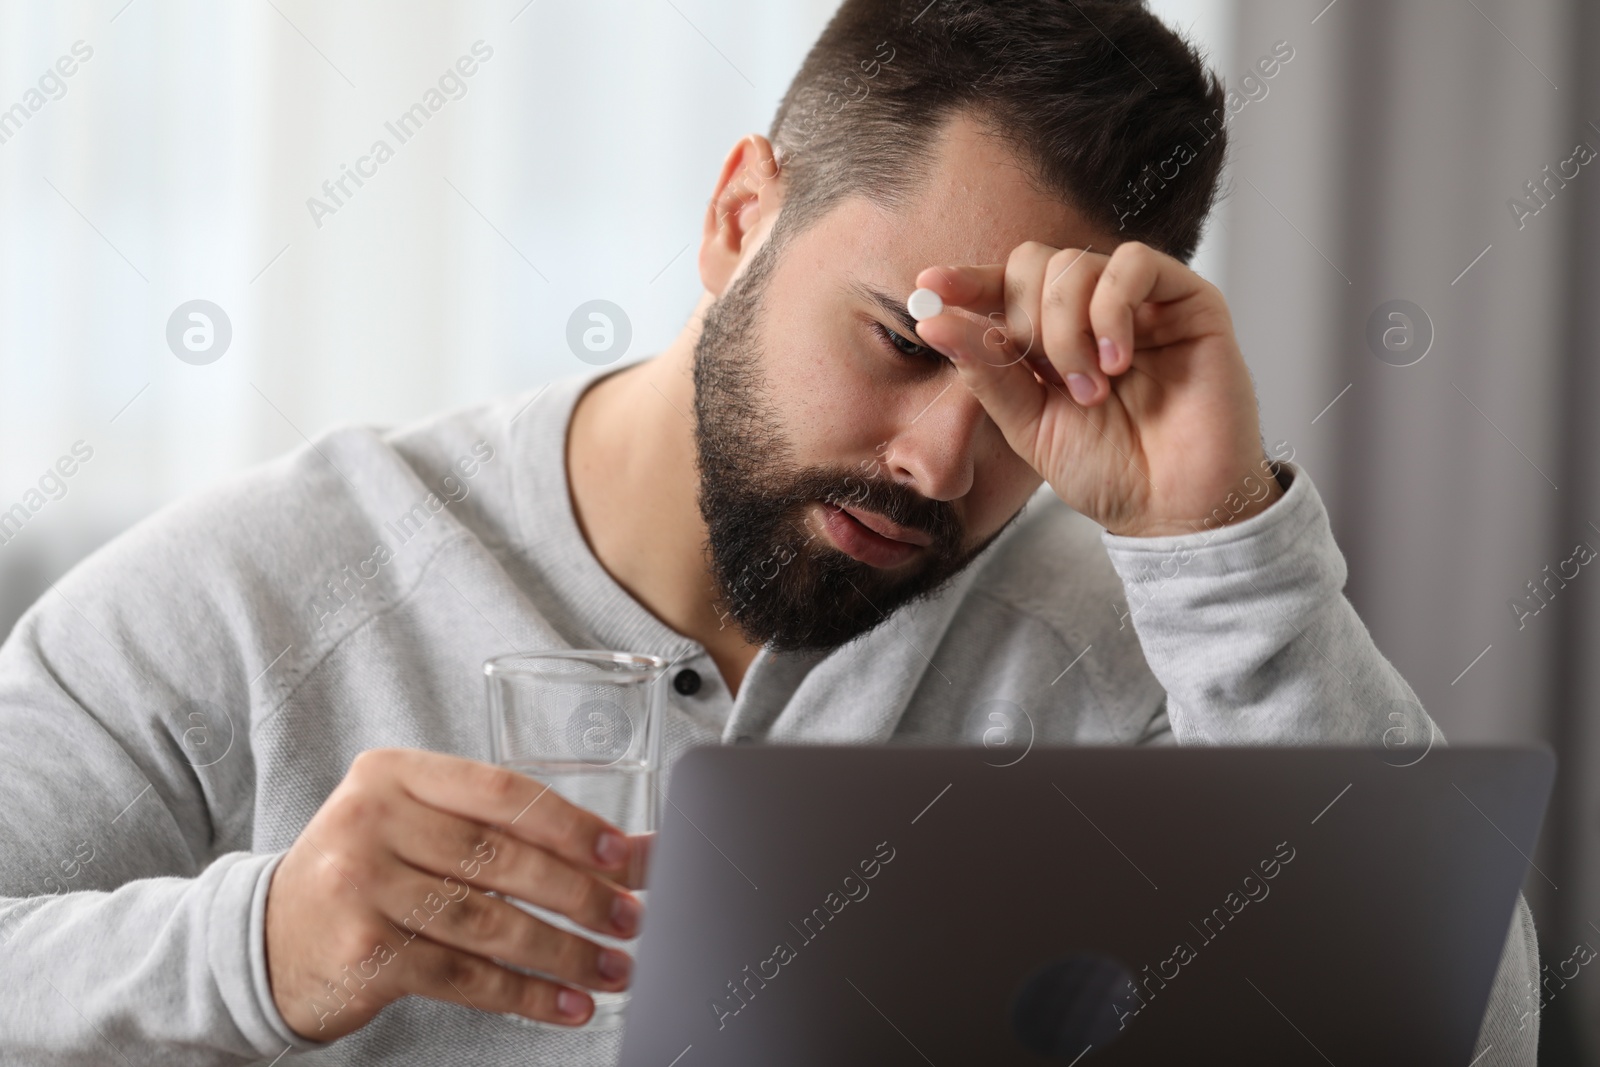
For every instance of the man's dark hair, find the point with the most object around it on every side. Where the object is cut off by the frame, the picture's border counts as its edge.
(1118, 115)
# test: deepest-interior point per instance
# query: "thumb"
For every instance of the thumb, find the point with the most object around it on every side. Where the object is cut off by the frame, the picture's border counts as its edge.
(996, 375)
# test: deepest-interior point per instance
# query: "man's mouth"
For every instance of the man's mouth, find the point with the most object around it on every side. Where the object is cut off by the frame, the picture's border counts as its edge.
(870, 538)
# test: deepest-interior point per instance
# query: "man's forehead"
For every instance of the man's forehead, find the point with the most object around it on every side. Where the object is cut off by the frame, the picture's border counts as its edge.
(975, 203)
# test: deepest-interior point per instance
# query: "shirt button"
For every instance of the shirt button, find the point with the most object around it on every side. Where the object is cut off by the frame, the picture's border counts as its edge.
(687, 681)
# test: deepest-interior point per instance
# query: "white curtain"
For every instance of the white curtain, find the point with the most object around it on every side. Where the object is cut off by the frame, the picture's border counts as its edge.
(175, 163)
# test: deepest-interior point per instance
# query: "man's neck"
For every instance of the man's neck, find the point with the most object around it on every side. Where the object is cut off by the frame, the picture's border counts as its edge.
(630, 459)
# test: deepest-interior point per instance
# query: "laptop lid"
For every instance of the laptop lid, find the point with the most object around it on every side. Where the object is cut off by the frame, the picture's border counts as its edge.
(899, 905)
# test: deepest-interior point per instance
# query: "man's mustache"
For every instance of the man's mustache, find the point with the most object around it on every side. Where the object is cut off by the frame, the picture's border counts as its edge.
(895, 502)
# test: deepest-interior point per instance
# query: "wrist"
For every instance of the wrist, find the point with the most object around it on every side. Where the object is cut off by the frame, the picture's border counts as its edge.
(1266, 483)
(1274, 479)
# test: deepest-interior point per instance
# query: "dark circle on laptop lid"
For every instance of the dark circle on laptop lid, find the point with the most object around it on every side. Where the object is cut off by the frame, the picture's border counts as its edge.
(1071, 1005)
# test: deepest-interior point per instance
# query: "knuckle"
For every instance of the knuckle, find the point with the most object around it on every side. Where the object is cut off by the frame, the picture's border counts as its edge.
(355, 941)
(568, 824)
(352, 815)
(464, 842)
(539, 937)
(1029, 251)
(536, 998)
(475, 918)
(533, 866)
(480, 981)
(372, 761)
(1061, 294)
(459, 970)
(561, 952)
(1063, 258)
(335, 866)
(1014, 288)
(323, 879)
(500, 784)
(502, 988)
(354, 864)
(364, 807)
(492, 843)
(574, 956)
(569, 891)
(487, 842)
(485, 848)
(589, 897)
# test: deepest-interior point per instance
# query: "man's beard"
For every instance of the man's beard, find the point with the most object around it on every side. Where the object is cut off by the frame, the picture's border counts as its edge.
(780, 584)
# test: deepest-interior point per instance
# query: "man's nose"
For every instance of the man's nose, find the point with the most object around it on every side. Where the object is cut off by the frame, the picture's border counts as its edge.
(932, 453)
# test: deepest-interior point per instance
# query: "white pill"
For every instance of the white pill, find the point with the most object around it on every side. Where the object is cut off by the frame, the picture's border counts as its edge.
(924, 304)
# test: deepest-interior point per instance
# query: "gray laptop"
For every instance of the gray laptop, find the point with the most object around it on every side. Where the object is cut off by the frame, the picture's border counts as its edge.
(898, 905)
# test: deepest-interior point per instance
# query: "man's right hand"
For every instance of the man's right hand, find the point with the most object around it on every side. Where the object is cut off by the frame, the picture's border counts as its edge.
(382, 896)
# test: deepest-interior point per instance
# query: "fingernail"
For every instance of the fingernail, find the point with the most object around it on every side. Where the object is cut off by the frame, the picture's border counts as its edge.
(613, 965)
(625, 914)
(1108, 354)
(611, 848)
(571, 1004)
(1081, 386)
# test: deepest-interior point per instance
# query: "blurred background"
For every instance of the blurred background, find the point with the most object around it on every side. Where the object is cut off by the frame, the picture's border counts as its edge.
(1406, 241)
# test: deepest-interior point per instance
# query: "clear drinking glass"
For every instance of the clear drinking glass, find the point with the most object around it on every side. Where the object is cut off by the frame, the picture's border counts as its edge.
(587, 724)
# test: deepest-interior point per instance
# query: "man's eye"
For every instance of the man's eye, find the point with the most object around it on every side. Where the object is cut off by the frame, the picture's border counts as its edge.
(903, 345)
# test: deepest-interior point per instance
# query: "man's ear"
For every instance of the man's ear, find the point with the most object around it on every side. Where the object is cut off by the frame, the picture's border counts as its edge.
(743, 206)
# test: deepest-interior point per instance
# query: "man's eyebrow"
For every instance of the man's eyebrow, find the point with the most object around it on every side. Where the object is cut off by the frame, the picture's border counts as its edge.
(895, 309)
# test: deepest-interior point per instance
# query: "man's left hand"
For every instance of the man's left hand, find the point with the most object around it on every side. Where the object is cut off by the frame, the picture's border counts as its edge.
(1117, 378)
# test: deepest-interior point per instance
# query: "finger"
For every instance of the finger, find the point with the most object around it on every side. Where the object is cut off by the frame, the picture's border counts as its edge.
(488, 858)
(960, 336)
(985, 290)
(1135, 275)
(979, 289)
(420, 905)
(1069, 341)
(643, 847)
(1157, 325)
(524, 806)
(1008, 391)
(443, 973)
(1023, 290)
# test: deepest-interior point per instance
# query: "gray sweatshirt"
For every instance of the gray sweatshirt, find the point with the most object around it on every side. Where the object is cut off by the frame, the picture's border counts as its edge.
(176, 708)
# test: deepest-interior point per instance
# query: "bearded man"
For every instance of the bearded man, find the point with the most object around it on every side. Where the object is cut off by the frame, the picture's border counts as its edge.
(837, 523)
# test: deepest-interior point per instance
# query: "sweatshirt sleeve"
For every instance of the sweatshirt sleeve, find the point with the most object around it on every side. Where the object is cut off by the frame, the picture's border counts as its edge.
(1510, 1031)
(1248, 630)
(131, 919)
